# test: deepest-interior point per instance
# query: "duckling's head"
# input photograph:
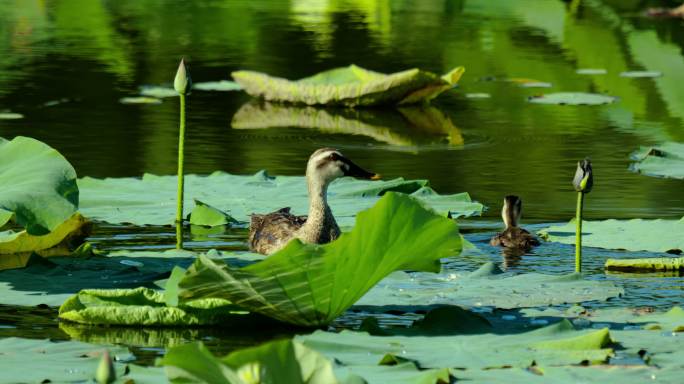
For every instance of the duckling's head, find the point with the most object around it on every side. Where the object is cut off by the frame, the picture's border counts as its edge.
(511, 211)
(328, 164)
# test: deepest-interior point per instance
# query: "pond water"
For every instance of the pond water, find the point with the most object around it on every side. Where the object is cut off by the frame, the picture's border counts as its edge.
(64, 65)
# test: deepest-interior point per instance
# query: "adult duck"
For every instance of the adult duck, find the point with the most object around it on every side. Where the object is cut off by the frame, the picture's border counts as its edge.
(270, 232)
(513, 237)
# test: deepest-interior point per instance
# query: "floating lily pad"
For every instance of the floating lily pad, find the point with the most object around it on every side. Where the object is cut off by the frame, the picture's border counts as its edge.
(10, 116)
(572, 98)
(311, 285)
(557, 344)
(637, 74)
(536, 84)
(219, 86)
(646, 265)
(632, 235)
(140, 100)
(152, 199)
(664, 160)
(157, 92)
(591, 71)
(483, 288)
(672, 320)
(478, 95)
(350, 86)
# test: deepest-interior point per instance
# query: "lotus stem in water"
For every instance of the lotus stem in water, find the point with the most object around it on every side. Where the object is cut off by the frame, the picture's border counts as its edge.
(182, 84)
(583, 182)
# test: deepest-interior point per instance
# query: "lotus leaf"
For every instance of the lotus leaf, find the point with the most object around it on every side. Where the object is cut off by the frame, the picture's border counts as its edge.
(572, 98)
(404, 126)
(152, 199)
(402, 373)
(665, 160)
(557, 344)
(43, 361)
(157, 92)
(591, 71)
(39, 185)
(206, 215)
(311, 285)
(646, 265)
(140, 100)
(275, 362)
(142, 307)
(641, 74)
(632, 235)
(10, 116)
(483, 288)
(350, 86)
(221, 86)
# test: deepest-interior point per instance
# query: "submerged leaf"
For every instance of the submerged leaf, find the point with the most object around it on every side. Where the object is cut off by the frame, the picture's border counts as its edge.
(311, 285)
(350, 86)
(572, 98)
(152, 199)
(664, 160)
(632, 235)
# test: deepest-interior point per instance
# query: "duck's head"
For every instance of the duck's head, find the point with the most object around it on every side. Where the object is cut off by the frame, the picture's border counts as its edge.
(328, 164)
(511, 211)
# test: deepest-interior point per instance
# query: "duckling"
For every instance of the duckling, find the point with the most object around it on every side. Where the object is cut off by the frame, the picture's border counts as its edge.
(513, 236)
(270, 232)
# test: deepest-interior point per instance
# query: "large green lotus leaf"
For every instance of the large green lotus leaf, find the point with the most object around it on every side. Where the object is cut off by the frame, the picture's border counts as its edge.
(43, 361)
(557, 344)
(405, 127)
(403, 373)
(664, 160)
(52, 281)
(142, 307)
(483, 288)
(282, 361)
(631, 235)
(623, 374)
(38, 185)
(152, 199)
(650, 264)
(310, 285)
(350, 86)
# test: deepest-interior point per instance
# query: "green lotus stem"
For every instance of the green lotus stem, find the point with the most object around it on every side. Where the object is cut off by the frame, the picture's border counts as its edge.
(182, 85)
(578, 238)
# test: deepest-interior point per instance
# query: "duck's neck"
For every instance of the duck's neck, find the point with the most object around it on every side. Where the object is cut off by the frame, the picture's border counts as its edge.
(509, 219)
(320, 221)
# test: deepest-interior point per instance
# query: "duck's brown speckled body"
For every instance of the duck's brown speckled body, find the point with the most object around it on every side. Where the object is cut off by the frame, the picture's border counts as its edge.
(513, 237)
(271, 232)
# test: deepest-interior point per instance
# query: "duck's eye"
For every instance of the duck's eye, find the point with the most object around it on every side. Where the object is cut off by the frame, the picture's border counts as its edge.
(333, 156)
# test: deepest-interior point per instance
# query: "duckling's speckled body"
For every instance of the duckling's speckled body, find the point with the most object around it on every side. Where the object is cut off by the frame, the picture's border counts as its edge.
(271, 232)
(513, 236)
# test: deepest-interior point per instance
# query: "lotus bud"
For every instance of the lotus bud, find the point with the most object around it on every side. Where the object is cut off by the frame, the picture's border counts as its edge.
(584, 179)
(105, 373)
(182, 83)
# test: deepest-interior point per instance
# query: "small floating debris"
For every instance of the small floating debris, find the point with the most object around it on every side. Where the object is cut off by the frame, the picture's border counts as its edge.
(157, 91)
(529, 83)
(640, 74)
(572, 98)
(591, 71)
(478, 95)
(219, 86)
(10, 116)
(139, 100)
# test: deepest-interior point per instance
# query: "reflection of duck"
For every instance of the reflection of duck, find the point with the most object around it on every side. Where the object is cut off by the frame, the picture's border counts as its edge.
(513, 236)
(405, 126)
(268, 233)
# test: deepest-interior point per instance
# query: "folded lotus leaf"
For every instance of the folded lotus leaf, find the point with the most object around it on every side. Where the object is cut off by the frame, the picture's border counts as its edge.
(651, 264)
(311, 285)
(152, 199)
(38, 185)
(350, 86)
(632, 235)
(664, 160)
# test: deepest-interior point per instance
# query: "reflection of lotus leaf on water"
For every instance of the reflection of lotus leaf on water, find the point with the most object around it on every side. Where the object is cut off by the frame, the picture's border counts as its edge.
(350, 86)
(404, 126)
